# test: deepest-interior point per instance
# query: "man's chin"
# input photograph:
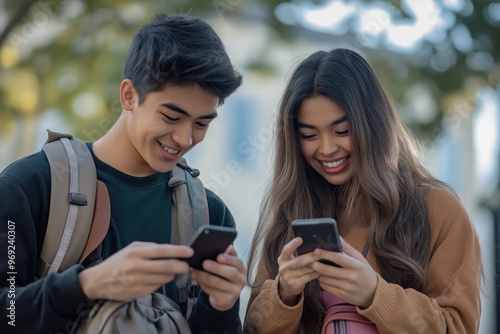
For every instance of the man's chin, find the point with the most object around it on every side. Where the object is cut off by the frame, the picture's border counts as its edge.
(166, 167)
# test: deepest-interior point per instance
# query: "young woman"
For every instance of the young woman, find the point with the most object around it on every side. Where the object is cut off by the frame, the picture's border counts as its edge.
(341, 151)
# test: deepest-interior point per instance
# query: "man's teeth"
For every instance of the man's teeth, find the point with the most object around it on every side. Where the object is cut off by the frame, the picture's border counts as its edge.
(334, 163)
(169, 150)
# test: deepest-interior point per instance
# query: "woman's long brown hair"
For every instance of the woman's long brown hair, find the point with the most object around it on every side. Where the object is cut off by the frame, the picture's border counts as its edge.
(387, 177)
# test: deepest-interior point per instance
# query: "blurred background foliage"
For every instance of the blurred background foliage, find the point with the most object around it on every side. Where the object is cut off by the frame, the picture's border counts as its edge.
(72, 66)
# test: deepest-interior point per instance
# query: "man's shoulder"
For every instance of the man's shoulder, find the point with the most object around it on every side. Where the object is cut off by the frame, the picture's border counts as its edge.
(214, 201)
(213, 198)
(28, 168)
(218, 210)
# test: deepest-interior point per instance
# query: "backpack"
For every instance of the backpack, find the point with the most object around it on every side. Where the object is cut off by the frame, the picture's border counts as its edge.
(80, 206)
(153, 313)
(342, 317)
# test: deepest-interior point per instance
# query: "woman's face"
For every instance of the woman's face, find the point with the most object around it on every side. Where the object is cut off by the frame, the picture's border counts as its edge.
(324, 138)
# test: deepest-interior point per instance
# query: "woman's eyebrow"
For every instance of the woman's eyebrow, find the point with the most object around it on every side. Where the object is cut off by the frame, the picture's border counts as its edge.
(340, 120)
(304, 125)
(335, 122)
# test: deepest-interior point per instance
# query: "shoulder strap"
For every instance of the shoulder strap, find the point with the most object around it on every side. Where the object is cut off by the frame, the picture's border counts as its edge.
(190, 206)
(72, 198)
(189, 212)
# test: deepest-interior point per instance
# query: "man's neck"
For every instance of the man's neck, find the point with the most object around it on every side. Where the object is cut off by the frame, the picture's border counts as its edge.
(116, 150)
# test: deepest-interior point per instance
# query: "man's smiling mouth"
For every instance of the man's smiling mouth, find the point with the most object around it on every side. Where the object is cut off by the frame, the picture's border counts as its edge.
(168, 149)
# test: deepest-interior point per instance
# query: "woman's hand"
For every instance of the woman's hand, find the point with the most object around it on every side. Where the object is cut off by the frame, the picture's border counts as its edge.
(354, 281)
(295, 272)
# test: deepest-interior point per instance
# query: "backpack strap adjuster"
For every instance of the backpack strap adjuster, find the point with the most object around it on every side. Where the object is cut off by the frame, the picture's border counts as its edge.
(192, 171)
(182, 295)
(77, 198)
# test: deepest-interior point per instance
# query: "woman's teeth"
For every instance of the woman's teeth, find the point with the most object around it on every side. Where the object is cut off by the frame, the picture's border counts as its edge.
(334, 164)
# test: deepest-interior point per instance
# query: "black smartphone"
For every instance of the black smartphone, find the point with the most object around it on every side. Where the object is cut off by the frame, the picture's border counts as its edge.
(208, 242)
(317, 233)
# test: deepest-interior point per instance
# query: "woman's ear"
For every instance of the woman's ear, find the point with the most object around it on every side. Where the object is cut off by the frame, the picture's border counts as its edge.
(127, 94)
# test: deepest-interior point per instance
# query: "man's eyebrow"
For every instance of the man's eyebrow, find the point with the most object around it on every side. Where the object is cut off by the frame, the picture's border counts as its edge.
(335, 122)
(178, 109)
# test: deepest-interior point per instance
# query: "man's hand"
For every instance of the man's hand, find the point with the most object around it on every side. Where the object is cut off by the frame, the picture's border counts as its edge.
(223, 279)
(134, 271)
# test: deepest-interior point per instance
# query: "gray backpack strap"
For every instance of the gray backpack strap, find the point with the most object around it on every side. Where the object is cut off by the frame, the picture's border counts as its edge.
(190, 207)
(189, 212)
(72, 198)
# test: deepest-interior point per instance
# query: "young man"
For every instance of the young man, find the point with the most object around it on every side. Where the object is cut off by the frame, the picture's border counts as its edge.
(176, 75)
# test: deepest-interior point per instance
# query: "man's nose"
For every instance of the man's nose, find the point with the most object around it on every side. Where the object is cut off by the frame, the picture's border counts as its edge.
(183, 136)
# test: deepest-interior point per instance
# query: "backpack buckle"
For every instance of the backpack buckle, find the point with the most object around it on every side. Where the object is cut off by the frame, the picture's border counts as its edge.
(182, 295)
(194, 291)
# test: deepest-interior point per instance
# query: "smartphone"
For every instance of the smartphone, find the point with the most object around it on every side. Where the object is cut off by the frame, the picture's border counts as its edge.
(208, 242)
(317, 233)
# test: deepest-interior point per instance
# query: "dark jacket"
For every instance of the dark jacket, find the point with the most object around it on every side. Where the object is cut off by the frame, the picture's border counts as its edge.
(138, 212)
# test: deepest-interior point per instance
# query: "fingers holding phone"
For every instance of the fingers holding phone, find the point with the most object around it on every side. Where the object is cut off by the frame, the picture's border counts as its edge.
(355, 281)
(135, 270)
(216, 265)
(341, 269)
(222, 279)
(294, 272)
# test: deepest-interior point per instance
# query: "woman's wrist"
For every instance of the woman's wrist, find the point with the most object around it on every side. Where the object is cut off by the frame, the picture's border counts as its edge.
(289, 300)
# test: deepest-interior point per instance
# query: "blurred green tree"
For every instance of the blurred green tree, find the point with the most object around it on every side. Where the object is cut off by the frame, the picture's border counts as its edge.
(65, 57)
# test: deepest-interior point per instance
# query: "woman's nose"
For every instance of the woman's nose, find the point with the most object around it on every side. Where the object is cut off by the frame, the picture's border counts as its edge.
(328, 146)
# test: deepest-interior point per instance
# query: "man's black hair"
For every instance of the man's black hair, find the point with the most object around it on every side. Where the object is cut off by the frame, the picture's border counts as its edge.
(180, 50)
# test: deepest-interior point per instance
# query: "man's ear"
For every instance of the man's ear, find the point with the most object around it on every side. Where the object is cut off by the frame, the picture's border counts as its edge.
(128, 94)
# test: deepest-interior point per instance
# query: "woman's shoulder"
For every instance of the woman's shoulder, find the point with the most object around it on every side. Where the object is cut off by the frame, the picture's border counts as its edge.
(442, 200)
(441, 194)
(447, 215)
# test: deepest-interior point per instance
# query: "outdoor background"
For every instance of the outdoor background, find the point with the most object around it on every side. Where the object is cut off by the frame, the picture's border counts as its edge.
(61, 61)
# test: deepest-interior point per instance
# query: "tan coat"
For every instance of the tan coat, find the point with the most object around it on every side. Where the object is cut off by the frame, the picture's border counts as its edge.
(450, 304)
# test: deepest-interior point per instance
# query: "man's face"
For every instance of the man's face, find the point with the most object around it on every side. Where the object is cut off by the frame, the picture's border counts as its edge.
(167, 125)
